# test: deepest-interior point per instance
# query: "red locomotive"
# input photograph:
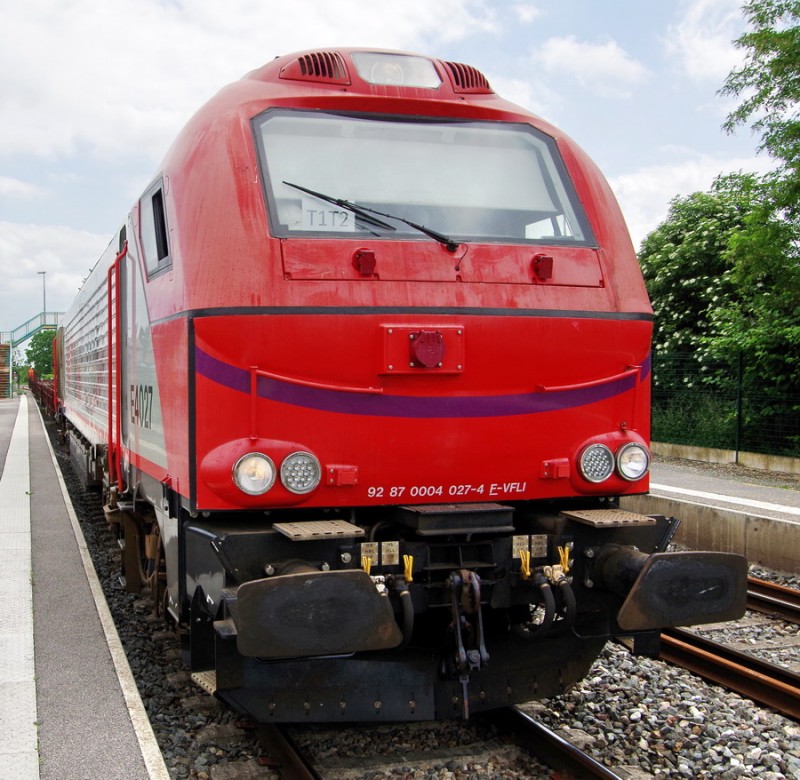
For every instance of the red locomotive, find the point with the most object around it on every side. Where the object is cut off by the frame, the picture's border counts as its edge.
(363, 375)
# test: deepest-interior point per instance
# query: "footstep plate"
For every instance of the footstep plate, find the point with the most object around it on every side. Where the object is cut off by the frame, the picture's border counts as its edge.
(206, 680)
(608, 518)
(318, 529)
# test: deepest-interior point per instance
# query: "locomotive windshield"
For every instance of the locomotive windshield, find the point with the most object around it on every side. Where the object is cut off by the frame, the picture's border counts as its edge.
(470, 181)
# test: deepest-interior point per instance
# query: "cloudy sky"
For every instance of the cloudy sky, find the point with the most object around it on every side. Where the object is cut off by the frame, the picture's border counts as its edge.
(93, 92)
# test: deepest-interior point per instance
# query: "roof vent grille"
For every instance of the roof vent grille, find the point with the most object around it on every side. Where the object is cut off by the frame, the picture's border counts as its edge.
(465, 78)
(326, 66)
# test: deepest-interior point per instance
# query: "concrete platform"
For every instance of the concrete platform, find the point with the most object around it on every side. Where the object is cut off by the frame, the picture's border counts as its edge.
(69, 707)
(729, 511)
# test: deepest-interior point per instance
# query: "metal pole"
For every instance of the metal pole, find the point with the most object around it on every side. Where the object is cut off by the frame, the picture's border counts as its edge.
(739, 405)
(44, 292)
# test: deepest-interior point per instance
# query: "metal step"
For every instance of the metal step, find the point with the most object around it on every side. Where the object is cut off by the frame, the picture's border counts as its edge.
(318, 529)
(608, 518)
(206, 680)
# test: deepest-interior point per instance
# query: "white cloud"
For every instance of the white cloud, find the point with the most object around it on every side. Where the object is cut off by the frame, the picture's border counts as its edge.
(605, 68)
(644, 195)
(92, 80)
(119, 76)
(533, 95)
(702, 39)
(10, 187)
(66, 254)
(527, 12)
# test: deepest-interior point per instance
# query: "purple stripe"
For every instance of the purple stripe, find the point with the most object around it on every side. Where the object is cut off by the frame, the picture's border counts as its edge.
(414, 406)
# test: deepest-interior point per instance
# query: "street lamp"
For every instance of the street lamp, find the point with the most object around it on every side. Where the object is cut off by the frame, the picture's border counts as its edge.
(43, 274)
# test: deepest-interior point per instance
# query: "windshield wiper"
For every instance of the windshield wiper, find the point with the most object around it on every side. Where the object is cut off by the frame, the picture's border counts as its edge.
(364, 212)
(345, 204)
(449, 243)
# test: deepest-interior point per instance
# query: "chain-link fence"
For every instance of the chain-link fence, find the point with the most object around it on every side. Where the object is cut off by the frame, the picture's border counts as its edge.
(722, 405)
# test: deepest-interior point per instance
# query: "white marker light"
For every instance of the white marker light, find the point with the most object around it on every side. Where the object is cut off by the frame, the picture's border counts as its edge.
(633, 461)
(396, 70)
(254, 473)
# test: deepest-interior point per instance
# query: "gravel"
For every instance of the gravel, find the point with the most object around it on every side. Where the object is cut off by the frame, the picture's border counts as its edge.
(641, 717)
(644, 714)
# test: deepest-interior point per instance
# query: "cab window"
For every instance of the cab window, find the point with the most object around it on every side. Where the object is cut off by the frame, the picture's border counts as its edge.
(477, 181)
(153, 230)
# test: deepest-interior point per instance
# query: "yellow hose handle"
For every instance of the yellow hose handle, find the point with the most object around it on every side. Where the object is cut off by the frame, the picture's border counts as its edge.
(525, 564)
(408, 568)
(563, 557)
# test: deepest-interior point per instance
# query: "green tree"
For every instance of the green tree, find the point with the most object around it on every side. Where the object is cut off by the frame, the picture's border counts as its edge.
(769, 81)
(725, 296)
(762, 321)
(765, 255)
(686, 265)
(20, 368)
(39, 353)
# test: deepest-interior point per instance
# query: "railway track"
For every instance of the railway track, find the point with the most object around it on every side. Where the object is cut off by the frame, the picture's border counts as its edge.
(286, 757)
(747, 675)
(556, 751)
(517, 729)
(773, 599)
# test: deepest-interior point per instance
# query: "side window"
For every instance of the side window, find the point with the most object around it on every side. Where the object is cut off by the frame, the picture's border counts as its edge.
(153, 230)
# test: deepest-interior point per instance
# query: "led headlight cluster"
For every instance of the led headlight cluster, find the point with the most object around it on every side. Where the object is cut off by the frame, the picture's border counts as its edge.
(255, 473)
(300, 472)
(597, 462)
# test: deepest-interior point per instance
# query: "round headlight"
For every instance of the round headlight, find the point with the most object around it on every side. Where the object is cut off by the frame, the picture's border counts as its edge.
(300, 472)
(596, 463)
(254, 473)
(633, 461)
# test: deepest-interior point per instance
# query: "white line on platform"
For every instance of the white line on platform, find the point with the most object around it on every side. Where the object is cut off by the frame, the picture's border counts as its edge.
(19, 737)
(736, 500)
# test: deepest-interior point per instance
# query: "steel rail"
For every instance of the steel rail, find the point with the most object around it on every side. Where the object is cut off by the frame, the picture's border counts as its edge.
(743, 673)
(773, 599)
(291, 764)
(544, 743)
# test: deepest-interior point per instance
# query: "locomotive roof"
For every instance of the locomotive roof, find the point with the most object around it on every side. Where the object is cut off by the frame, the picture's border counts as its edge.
(376, 71)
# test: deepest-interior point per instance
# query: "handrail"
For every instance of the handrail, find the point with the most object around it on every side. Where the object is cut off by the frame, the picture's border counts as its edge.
(318, 385)
(112, 463)
(115, 362)
(256, 372)
(630, 371)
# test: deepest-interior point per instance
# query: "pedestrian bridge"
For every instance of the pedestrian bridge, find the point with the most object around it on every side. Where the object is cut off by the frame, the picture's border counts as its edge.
(46, 320)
